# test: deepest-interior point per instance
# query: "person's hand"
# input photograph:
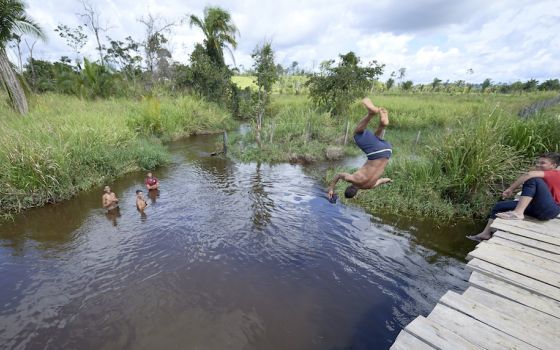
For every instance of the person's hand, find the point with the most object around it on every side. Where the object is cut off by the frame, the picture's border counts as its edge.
(330, 193)
(507, 193)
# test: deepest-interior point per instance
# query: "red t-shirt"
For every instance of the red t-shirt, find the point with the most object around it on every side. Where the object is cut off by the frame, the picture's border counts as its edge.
(552, 179)
(152, 181)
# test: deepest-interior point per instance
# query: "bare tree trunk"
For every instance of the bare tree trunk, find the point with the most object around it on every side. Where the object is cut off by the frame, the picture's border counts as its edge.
(91, 17)
(33, 75)
(259, 119)
(259, 124)
(11, 83)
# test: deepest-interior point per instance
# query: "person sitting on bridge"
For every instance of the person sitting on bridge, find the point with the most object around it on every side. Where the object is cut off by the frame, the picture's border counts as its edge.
(540, 196)
(377, 150)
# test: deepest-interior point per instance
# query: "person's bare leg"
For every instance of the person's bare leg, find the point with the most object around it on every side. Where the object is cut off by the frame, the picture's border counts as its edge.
(487, 232)
(383, 123)
(382, 181)
(372, 110)
(523, 203)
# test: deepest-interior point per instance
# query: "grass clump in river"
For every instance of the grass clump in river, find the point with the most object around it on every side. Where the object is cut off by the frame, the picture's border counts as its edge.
(65, 144)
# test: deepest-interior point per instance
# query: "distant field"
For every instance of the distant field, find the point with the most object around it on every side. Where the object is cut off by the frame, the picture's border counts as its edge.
(285, 85)
(244, 81)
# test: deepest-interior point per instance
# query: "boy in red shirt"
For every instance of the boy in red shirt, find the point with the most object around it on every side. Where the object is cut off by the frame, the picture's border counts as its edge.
(540, 196)
(151, 182)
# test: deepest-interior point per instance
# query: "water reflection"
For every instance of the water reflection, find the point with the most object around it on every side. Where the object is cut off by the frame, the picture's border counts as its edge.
(112, 215)
(153, 195)
(239, 256)
(261, 205)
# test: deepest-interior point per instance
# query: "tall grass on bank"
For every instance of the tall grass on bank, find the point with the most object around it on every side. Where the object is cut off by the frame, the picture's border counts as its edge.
(462, 172)
(296, 133)
(66, 145)
(173, 118)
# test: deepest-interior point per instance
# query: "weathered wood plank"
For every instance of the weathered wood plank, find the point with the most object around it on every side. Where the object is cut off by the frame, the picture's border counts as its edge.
(525, 264)
(474, 331)
(550, 248)
(515, 278)
(520, 330)
(550, 227)
(498, 249)
(437, 336)
(511, 292)
(502, 225)
(544, 322)
(406, 341)
(525, 249)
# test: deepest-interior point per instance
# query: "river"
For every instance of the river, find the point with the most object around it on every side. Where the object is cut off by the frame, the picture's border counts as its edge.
(227, 256)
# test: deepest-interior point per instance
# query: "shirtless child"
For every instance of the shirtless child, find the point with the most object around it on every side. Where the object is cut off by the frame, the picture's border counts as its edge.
(141, 203)
(110, 200)
(377, 150)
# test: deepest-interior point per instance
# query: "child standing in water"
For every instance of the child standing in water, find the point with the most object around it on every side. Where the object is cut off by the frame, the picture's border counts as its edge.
(141, 203)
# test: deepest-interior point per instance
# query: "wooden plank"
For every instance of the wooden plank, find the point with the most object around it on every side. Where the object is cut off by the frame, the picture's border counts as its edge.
(511, 292)
(544, 322)
(474, 331)
(551, 248)
(500, 225)
(515, 279)
(406, 341)
(523, 248)
(506, 324)
(497, 249)
(550, 227)
(518, 262)
(437, 336)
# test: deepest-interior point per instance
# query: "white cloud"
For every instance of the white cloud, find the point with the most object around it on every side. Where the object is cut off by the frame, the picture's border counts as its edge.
(504, 40)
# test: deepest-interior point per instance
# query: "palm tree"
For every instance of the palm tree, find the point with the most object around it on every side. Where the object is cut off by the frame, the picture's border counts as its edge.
(14, 21)
(219, 32)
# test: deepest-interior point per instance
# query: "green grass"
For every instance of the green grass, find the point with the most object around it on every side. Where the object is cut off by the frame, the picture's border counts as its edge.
(470, 147)
(66, 145)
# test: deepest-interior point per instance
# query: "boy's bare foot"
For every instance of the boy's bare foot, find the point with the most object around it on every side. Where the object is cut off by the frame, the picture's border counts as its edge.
(370, 107)
(383, 117)
(483, 236)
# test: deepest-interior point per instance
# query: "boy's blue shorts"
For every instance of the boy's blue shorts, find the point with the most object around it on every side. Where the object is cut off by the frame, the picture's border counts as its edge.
(373, 146)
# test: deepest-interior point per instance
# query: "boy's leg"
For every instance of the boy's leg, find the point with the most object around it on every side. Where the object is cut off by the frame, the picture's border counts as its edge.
(362, 125)
(383, 123)
(536, 200)
(499, 207)
(372, 110)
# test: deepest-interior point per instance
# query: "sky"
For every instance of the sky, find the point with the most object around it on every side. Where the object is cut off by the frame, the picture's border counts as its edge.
(505, 40)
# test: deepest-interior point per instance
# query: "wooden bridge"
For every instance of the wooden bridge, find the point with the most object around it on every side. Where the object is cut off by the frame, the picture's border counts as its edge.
(513, 298)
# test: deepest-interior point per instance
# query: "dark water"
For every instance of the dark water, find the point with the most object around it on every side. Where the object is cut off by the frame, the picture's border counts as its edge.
(229, 256)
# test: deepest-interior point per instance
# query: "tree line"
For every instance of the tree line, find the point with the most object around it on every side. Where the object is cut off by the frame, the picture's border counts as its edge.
(132, 67)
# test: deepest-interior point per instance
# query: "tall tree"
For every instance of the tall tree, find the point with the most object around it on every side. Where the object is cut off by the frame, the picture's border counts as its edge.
(91, 20)
(336, 87)
(267, 75)
(14, 20)
(219, 32)
(156, 28)
(75, 38)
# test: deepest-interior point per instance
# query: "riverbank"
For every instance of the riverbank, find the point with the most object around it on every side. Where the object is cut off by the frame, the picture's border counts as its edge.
(66, 145)
(453, 154)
